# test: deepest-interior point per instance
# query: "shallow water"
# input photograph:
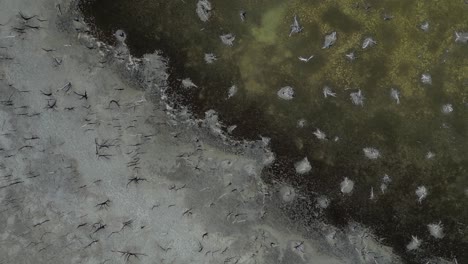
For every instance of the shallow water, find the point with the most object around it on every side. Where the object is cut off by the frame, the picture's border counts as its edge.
(264, 58)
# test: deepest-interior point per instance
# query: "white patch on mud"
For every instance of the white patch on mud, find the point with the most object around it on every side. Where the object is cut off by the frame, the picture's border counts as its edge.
(286, 93)
(204, 10)
(228, 39)
(303, 166)
(346, 186)
(371, 153)
(421, 193)
(187, 83)
(232, 91)
(322, 202)
(436, 230)
(287, 194)
(414, 244)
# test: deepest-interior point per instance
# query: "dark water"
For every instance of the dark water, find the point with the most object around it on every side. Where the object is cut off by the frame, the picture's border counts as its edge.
(264, 58)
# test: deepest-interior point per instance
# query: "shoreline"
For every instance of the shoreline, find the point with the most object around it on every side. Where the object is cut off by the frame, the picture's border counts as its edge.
(99, 170)
(408, 168)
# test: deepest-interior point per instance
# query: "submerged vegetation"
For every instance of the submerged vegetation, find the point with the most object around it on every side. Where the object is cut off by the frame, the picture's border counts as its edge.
(374, 94)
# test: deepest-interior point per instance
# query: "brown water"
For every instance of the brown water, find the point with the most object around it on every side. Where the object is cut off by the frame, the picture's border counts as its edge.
(264, 58)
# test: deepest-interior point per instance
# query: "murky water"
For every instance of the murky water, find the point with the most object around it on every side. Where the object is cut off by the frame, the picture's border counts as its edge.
(419, 129)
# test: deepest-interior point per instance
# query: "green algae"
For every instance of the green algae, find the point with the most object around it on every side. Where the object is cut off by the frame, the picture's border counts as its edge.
(266, 33)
